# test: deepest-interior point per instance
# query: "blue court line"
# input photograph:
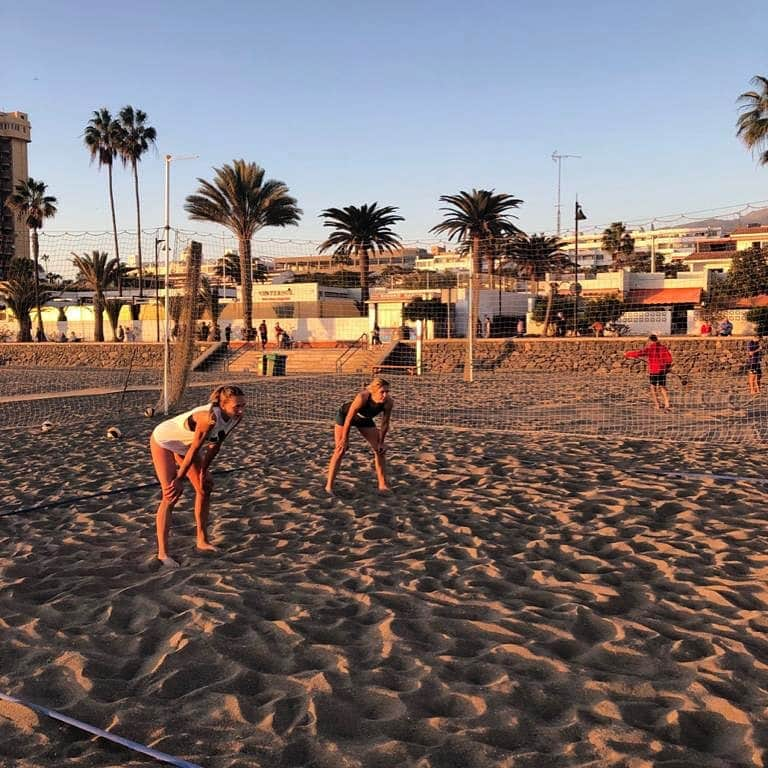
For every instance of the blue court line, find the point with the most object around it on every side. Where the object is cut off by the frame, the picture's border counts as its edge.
(132, 745)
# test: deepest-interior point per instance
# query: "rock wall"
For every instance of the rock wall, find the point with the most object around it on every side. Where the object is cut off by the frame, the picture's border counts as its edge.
(85, 355)
(584, 355)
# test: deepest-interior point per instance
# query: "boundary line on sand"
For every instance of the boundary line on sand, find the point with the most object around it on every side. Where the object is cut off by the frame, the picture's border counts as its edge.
(96, 495)
(132, 745)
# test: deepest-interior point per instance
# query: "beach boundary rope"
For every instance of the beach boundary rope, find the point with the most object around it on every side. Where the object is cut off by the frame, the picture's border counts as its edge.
(97, 494)
(134, 746)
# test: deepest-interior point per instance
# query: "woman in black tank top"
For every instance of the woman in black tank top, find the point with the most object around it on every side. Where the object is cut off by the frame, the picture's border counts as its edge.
(369, 403)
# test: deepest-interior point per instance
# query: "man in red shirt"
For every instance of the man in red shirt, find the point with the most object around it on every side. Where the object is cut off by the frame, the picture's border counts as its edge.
(659, 360)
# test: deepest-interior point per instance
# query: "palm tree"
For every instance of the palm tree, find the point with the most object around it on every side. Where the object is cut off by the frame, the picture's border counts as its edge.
(97, 273)
(534, 256)
(357, 233)
(21, 292)
(619, 243)
(477, 216)
(229, 267)
(208, 301)
(32, 206)
(753, 121)
(242, 201)
(136, 137)
(103, 136)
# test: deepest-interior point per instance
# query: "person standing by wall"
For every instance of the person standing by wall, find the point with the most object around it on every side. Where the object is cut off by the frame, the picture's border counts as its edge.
(263, 334)
(659, 360)
(754, 367)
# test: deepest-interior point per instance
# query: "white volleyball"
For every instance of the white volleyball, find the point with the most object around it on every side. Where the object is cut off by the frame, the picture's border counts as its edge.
(114, 433)
(46, 426)
(149, 411)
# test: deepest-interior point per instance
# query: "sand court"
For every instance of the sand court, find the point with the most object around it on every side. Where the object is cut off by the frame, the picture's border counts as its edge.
(534, 599)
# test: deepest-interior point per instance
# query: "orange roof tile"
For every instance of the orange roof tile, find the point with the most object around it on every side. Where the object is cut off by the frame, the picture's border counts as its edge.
(750, 231)
(753, 301)
(664, 296)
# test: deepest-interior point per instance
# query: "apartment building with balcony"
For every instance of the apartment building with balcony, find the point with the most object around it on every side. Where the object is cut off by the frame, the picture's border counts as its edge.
(674, 244)
(15, 134)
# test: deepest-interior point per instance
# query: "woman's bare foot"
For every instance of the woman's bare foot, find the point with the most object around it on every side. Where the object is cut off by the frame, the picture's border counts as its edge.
(205, 546)
(385, 489)
(168, 562)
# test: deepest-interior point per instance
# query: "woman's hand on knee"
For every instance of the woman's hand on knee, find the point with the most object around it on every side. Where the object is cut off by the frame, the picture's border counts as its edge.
(172, 492)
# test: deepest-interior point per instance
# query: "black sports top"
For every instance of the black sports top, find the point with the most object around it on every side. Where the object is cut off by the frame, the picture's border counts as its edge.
(365, 414)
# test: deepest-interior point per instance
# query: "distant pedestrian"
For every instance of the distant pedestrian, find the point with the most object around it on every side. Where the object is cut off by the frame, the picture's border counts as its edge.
(228, 333)
(120, 333)
(487, 327)
(560, 324)
(278, 334)
(520, 328)
(376, 335)
(754, 367)
(706, 328)
(263, 334)
(598, 327)
(659, 360)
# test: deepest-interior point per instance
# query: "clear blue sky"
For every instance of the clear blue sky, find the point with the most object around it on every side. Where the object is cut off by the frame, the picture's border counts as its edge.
(351, 101)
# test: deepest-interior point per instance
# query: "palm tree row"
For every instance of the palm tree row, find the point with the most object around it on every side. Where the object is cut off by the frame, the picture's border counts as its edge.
(32, 206)
(128, 137)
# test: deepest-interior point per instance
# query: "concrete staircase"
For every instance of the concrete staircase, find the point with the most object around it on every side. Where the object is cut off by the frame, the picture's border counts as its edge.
(298, 361)
(309, 360)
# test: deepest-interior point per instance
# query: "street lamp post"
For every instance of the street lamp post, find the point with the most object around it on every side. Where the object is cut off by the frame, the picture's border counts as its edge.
(158, 240)
(575, 288)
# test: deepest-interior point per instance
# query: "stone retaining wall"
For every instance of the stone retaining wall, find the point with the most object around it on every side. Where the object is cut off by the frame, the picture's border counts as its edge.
(85, 355)
(579, 355)
(584, 355)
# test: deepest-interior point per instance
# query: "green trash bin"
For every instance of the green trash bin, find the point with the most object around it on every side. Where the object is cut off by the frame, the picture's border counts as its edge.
(279, 365)
(273, 365)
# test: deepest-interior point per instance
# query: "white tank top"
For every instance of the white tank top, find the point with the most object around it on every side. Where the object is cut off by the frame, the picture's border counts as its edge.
(175, 435)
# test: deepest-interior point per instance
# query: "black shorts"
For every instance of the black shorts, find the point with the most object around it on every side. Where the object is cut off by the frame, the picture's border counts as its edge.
(658, 379)
(755, 369)
(361, 422)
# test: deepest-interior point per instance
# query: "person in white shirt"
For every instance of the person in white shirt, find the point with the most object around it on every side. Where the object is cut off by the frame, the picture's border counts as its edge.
(185, 446)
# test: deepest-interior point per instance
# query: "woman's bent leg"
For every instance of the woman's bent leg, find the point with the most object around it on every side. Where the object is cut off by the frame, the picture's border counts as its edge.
(371, 434)
(203, 490)
(335, 463)
(165, 469)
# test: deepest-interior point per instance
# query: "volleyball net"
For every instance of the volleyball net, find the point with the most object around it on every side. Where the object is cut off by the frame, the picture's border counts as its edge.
(523, 336)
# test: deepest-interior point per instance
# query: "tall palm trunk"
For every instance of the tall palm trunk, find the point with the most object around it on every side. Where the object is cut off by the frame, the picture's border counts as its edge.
(365, 266)
(244, 249)
(138, 230)
(98, 316)
(548, 314)
(477, 262)
(114, 231)
(25, 328)
(36, 257)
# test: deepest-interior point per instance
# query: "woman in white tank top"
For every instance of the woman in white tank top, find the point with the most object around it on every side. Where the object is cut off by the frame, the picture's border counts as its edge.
(185, 446)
